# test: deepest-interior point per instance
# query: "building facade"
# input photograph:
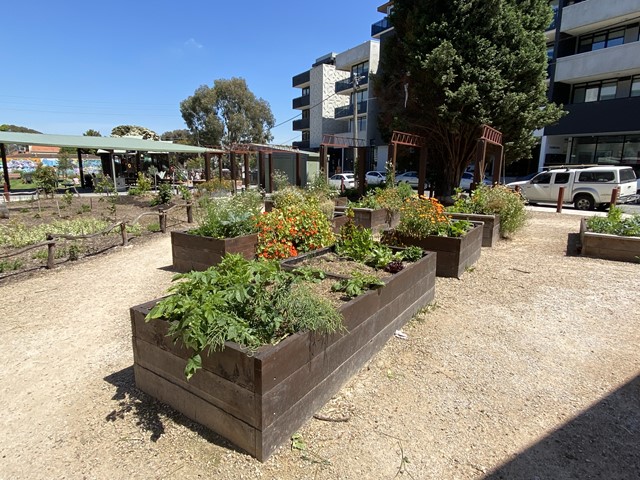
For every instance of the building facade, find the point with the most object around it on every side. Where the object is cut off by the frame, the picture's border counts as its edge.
(336, 100)
(594, 71)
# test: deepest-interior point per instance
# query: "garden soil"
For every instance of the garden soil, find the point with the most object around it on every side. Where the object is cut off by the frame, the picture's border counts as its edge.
(528, 367)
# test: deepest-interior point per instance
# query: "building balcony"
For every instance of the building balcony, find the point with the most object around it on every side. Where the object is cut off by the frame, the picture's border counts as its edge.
(554, 20)
(612, 62)
(301, 79)
(301, 124)
(301, 144)
(592, 15)
(380, 27)
(597, 118)
(301, 102)
(347, 84)
(347, 110)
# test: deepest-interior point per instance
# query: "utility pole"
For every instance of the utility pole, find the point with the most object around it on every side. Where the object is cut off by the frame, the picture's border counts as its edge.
(356, 78)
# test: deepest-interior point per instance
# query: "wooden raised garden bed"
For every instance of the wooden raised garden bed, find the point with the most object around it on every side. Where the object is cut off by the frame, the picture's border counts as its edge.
(491, 230)
(455, 254)
(258, 401)
(195, 252)
(376, 220)
(608, 247)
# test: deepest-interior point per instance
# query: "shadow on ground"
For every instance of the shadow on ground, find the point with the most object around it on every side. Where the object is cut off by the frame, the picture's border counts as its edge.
(573, 245)
(601, 443)
(150, 413)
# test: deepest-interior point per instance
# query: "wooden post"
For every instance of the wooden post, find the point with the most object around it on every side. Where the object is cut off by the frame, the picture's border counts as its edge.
(207, 166)
(51, 252)
(123, 232)
(261, 173)
(163, 221)
(247, 175)
(614, 197)
(270, 189)
(422, 169)
(232, 159)
(391, 158)
(298, 174)
(323, 161)
(497, 166)
(5, 170)
(80, 168)
(220, 167)
(560, 200)
(189, 212)
(478, 170)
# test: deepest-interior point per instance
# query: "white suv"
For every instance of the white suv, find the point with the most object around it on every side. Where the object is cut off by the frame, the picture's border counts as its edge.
(587, 188)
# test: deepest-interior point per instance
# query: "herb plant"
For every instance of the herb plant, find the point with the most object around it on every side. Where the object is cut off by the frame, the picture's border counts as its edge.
(357, 284)
(228, 217)
(252, 303)
(615, 224)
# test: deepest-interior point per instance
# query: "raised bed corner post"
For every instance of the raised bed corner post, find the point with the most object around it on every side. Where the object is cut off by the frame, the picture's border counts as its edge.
(5, 171)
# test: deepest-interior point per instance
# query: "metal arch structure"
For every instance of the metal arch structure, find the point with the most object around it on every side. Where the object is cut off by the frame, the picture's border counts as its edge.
(411, 140)
(360, 150)
(488, 135)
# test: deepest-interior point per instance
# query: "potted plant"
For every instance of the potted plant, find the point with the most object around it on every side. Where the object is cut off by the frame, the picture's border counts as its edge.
(261, 350)
(225, 225)
(613, 237)
(501, 209)
(424, 223)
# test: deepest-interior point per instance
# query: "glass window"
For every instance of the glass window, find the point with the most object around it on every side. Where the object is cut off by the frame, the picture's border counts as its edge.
(305, 113)
(306, 135)
(616, 37)
(360, 70)
(631, 153)
(583, 150)
(609, 150)
(599, 42)
(561, 178)
(306, 91)
(608, 90)
(543, 178)
(627, 175)
(635, 87)
(579, 94)
(585, 44)
(591, 94)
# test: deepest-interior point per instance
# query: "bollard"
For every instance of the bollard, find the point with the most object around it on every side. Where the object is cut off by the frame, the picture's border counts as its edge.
(342, 185)
(163, 221)
(560, 200)
(189, 213)
(123, 231)
(614, 197)
(51, 252)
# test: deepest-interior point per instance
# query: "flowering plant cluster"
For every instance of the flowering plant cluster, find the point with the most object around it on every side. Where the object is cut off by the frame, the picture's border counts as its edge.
(423, 216)
(284, 233)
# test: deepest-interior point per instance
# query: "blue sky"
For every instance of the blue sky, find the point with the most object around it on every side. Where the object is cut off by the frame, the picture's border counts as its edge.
(70, 66)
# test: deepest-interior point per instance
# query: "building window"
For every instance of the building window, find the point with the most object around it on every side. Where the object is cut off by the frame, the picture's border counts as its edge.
(635, 86)
(360, 96)
(600, 40)
(362, 124)
(305, 113)
(306, 135)
(595, 91)
(360, 70)
(306, 91)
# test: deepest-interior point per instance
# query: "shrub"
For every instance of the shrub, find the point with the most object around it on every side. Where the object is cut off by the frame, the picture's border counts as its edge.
(614, 224)
(143, 185)
(164, 195)
(496, 200)
(46, 178)
(293, 196)
(228, 217)
(280, 180)
(291, 231)
(216, 186)
(423, 216)
(252, 303)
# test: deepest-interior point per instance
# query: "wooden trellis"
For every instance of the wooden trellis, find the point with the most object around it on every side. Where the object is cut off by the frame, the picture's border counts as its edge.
(494, 137)
(411, 140)
(360, 151)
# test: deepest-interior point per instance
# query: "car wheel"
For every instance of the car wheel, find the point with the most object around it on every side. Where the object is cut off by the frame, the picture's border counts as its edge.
(584, 202)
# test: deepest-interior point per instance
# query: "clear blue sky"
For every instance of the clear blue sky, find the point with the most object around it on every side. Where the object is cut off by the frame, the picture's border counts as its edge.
(70, 66)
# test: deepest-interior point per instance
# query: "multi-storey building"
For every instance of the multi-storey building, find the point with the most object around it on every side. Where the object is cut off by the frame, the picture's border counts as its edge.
(335, 97)
(594, 71)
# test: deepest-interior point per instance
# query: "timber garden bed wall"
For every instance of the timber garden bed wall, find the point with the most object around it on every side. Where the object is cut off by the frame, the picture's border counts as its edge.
(491, 228)
(195, 252)
(608, 247)
(258, 401)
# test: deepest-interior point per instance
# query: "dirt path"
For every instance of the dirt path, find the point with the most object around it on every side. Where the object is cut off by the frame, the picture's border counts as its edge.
(527, 367)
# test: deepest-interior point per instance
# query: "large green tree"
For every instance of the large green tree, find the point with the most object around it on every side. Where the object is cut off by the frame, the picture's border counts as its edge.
(452, 66)
(227, 113)
(134, 131)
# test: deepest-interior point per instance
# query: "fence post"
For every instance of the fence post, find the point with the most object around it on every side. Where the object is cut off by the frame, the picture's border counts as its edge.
(614, 197)
(163, 221)
(7, 194)
(51, 252)
(560, 200)
(189, 213)
(123, 231)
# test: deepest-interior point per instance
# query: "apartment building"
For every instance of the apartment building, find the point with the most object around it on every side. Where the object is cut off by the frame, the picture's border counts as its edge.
(594, 71)
(335, 98)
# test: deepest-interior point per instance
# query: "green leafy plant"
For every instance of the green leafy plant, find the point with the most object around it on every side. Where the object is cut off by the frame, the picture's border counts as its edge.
(163, 196)
(280, 180)
(252, 303)
(46, 178)
(615, 224)
(17, 235)
(494, 200)
(357, 284)
(67, 198)
(228, 217)
(143, 185)
(185, 193)
(10, 265)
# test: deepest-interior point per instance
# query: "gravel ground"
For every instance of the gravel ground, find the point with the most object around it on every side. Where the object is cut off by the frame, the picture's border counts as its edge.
(527, 367)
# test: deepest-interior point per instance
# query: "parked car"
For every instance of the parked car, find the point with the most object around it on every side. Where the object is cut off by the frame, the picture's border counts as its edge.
(587, 188)
(467, 179)
(338, 179)
(410, 177)
(375, 177)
